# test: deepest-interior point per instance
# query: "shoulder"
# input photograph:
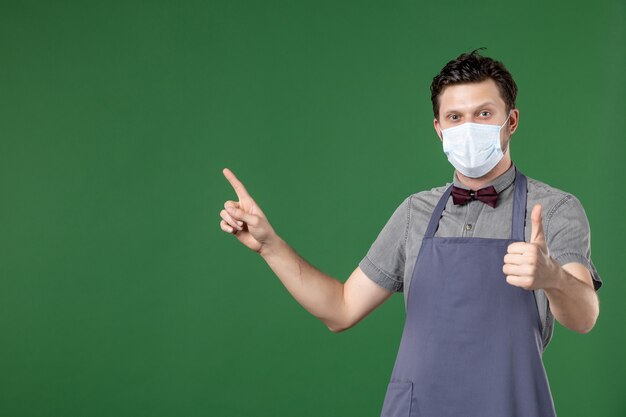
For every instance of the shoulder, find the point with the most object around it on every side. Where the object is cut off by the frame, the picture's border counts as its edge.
(417, 208)
(554, 201)
(563, 215)
(427, 199)
(422, 200)
(542, 191)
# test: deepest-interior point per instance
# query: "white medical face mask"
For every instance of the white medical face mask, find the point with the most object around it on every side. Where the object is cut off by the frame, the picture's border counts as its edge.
(473, 148)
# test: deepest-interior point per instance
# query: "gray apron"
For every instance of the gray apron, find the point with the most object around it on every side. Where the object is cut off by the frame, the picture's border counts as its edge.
(471, 345)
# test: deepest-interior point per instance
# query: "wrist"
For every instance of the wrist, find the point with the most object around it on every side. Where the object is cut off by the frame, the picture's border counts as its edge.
(558, 277)
(271, 247)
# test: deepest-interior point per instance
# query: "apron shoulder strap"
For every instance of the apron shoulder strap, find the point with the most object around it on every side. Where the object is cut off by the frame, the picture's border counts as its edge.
(519, 206)
(434, 219)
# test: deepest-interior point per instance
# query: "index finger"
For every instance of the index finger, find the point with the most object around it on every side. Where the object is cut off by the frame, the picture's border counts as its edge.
(237, 185)
(519, 248)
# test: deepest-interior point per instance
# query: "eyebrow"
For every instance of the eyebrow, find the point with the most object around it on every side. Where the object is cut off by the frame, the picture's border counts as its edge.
(484, 104)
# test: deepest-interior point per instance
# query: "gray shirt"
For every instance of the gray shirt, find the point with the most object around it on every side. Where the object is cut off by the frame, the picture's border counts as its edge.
(391, 258)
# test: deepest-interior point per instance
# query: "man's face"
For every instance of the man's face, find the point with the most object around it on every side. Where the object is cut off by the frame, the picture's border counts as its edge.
(475, 103)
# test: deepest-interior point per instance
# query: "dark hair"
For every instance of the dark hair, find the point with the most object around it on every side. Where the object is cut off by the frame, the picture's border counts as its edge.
(473, 68)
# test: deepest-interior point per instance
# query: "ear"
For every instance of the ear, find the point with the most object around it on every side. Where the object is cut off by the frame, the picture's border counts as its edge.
(437, 128)
(513, 121)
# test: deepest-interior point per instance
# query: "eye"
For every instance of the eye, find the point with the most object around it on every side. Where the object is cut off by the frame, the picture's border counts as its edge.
(485, 113)
(453, 117)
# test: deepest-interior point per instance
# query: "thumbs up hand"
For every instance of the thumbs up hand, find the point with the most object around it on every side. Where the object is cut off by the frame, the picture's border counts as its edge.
(244, 218)
(528, 265)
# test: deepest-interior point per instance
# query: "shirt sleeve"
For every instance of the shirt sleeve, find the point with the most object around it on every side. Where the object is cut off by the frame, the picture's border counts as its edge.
(569, 237)
(384, 262)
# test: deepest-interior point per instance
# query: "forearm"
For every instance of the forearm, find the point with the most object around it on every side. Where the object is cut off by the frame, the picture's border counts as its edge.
(320, 294)
(573, 302)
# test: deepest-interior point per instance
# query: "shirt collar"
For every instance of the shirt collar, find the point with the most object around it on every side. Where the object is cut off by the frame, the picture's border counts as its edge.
(500, 183)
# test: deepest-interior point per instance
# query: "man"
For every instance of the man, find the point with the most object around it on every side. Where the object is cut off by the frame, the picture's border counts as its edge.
(484, 273)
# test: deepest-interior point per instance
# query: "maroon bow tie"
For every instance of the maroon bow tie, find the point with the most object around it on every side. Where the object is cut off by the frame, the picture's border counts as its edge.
(487, 195)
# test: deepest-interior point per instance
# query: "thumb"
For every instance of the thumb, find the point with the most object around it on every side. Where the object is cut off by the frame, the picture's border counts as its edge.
(537, 234)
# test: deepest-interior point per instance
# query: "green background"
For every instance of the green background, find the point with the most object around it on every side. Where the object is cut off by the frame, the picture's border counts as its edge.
(119, 293)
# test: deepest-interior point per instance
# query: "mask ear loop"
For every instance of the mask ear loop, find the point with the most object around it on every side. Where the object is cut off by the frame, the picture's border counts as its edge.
(505, 122)
(507, 119)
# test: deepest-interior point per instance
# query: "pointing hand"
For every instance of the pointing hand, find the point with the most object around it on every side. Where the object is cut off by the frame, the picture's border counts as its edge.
(244, 218)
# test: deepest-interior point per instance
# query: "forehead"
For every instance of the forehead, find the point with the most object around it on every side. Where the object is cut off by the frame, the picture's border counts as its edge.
(467, 96)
